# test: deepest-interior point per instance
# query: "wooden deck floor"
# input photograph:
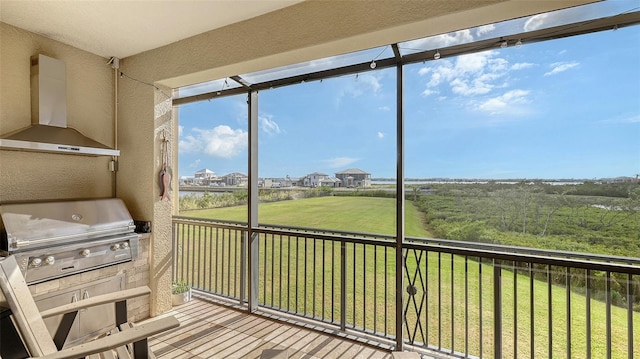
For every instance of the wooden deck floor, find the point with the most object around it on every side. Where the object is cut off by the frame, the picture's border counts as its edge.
(209, 330)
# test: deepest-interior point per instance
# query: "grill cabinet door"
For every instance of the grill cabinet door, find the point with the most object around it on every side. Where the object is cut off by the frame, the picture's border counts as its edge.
(95, 320)
(56, 300)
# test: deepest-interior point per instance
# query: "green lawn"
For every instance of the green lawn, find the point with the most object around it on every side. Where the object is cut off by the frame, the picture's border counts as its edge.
(361, 214)
(302, 286)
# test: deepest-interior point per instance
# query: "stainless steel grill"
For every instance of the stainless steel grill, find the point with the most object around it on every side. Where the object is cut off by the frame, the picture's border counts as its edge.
(55, 239)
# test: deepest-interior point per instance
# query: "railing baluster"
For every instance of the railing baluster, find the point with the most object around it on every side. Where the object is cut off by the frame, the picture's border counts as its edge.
(426, 304)
(244, 266)
(265, 249)
(466, 306)
(343, 285)
(304, 296)
(197, 260)
(354, 285)
(386, 274)
(497, 309)
(588, 310)
(453, 346)
(280, 274)
(515, 310)
(189, 242)
(630, 302)
(322, 308)
(313, 282)
(364, 286)
(273, 262)
(235, 264)
(375, 287)
(289, 273)
(439, 300)
(568, 309)
(216, 253)
(333, 276)
(532, 325)
(549, 313)
(297, 267)
(480, 303)
(222, 261)
(607, 290)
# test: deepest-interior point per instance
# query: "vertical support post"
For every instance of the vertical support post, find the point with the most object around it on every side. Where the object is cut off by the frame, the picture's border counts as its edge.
(252, 102)
(497, 309)
(399, 206)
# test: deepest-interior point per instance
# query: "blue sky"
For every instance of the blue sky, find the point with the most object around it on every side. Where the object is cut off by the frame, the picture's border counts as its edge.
(568, 108)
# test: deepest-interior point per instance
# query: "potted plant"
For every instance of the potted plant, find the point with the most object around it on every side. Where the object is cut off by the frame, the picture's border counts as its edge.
(180, 293)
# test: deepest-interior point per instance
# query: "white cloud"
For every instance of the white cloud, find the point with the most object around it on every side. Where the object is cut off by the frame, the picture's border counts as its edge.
(428, 92)
(485, 29)
(441, 41)
(339, 162)
(521, 66)
(623, 120)
(423, 71)
(536, 22)
(504, 102)
(180, 129)
(468, 75)
(559, 67)
(268, 125)
(384, 108)
(380, 134)
(194, 164)
(221, 141)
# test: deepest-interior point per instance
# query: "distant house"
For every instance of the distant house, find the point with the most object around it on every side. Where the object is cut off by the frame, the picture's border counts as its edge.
(186, 180)
(205, 173)
(235, 179)
(331, 182)
(205, 176)
(292, 182)
(354, 177)
(314, 179)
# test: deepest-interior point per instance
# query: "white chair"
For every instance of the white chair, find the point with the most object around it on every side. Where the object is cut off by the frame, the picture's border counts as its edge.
(28, 337)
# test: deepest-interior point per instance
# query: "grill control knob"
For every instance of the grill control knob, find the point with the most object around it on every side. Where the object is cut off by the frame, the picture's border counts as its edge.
(115, 247)
(49, 260)
(85, 252)
(125, 245)
(36, 262)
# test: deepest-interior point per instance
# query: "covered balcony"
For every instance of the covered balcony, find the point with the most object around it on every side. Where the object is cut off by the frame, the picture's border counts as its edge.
(309, 291)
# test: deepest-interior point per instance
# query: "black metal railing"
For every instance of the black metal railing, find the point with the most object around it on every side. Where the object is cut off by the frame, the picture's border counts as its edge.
(464, 299)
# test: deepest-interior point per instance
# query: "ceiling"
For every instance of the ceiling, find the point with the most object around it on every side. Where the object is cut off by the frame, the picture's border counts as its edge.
(133, 26)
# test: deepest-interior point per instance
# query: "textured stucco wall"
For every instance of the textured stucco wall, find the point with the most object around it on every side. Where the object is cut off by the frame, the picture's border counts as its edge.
(40, 176)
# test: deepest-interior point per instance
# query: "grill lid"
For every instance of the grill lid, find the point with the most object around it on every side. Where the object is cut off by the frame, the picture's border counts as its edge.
(62, 222)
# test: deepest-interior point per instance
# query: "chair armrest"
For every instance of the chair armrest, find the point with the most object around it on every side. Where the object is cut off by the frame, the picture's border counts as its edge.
(97, 300)
(137, 333)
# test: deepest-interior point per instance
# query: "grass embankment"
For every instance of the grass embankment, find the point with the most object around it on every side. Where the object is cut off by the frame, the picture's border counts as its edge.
(302, 266)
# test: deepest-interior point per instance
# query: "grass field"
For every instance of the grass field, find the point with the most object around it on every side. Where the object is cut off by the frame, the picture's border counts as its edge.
(299, 275)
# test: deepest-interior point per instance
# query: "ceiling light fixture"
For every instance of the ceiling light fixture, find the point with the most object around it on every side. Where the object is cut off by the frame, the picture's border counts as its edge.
(504, 44)
(436, 56)
(519, 43)
(373, 64)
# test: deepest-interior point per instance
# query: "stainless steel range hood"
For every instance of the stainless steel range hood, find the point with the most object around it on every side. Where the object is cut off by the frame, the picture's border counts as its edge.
(49, 131)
